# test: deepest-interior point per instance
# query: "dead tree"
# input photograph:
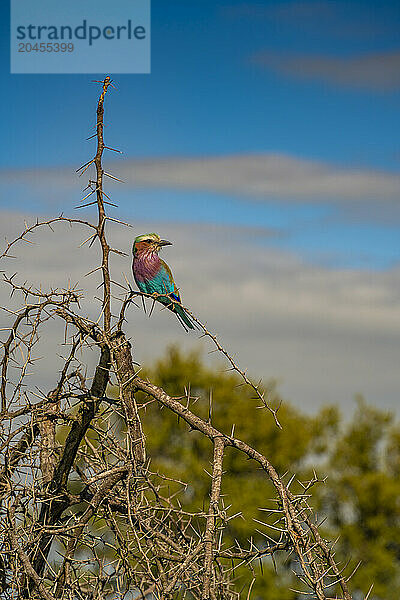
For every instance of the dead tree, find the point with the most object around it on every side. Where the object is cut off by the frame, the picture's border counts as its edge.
(83, 516)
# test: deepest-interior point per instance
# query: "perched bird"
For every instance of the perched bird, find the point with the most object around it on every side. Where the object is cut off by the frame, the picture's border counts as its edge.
(153, 275)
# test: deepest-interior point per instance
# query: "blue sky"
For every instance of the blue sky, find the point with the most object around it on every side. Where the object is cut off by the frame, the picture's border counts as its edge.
(233, 78)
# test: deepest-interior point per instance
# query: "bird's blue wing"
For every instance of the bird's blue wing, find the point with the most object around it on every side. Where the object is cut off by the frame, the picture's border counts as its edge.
(167, 281)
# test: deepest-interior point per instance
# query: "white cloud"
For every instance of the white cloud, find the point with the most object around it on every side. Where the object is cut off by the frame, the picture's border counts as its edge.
(374, 71)
(267, 175)
(325, 334)
(263, 176)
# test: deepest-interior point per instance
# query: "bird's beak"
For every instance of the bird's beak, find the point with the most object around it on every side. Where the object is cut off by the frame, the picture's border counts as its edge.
(164, 243)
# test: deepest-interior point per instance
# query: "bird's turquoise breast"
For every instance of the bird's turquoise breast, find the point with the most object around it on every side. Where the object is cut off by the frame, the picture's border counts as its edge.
(159, 284)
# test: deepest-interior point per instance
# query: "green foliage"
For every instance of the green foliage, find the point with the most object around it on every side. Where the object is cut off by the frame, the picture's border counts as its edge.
(176, 452)
(362, 498)
(361, 459)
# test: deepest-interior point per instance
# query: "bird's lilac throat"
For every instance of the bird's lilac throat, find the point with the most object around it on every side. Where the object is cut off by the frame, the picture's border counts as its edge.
(146, 265)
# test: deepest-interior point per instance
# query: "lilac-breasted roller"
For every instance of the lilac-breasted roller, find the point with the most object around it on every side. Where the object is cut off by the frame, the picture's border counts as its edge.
(153, 275)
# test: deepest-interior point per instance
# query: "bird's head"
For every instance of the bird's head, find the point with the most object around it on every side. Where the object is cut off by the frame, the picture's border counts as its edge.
(149, 242)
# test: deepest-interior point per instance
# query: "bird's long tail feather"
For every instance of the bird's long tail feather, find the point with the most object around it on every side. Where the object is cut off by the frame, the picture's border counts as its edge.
(178, 310)
(182, 315)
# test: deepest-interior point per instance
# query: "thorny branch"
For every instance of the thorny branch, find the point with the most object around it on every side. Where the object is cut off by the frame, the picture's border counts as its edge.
(100, 205)
(260, 394)
(82, 515)
(209, 536)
